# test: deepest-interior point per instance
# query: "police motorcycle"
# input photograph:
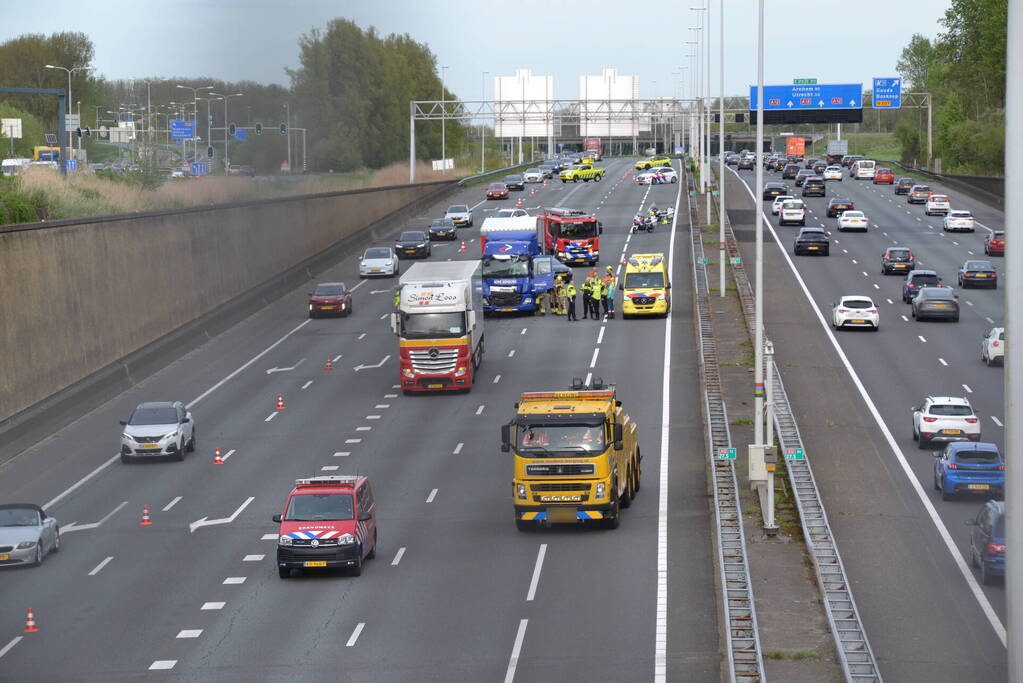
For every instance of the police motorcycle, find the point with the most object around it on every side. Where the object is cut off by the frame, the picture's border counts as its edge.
(643, 223)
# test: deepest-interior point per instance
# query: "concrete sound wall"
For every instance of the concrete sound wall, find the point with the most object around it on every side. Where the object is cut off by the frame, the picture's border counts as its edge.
(80, 295)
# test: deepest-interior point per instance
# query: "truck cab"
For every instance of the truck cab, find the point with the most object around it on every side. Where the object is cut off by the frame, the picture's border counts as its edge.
(513, 277)
(571, 235)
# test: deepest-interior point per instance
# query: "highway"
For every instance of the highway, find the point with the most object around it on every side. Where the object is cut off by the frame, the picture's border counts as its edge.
(924, 609)
(455, 592)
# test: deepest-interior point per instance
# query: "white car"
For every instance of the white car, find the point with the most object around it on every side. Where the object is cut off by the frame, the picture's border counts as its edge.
(778, 201)
(533, 175)
(938, 203)
(460, 214)
(158, 428)
(960, 221)
(945, 418)
(852, 220)
(833, 173)
(510, 213)
(792, 211)
(666, 173)
(992, 346)
(855, 311)
(379, 261)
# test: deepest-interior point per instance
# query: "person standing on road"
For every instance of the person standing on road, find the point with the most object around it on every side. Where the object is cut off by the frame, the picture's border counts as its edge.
(586, 297)
(541, 303)
(559, 296)
(608, 293)
(595, 287)
(570, 298)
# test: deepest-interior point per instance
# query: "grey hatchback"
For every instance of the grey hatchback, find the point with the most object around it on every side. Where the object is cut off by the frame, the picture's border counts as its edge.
(937, 303)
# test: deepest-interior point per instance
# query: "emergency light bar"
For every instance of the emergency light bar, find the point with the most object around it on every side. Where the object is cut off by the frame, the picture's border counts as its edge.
(536, 395)
(560, 211)
(330, 480)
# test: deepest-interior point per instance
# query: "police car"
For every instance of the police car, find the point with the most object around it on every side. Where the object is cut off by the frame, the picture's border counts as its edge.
(327, 522)
(646, 289)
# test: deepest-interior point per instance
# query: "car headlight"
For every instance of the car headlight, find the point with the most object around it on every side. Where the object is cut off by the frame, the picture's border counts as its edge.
(345, 539)
(420, 246)
(408, 372)
(171, 435)
(284, 540)
(310, 307)
(126, 435)
(25, 545)
(520, 490)
(601, 489)
(459, 372)
(527, 299)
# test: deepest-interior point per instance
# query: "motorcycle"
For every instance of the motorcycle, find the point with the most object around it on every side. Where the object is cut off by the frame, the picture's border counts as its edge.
(643, 223)
(665, 215)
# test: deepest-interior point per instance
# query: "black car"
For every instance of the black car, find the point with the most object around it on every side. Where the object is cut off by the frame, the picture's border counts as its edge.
(802, 175)
(814, 185)
(772, 190)
(812, 241)
(732, 159)
(746, 164)
(442, 229)
(938, 303)
(818, 167)
(810, 162)
(789, 171)
(904, 185)
(978, 274)
(515, 182)
(897, 260)
(917, 280)
(837, 205)
(412, 244)
(778, 164)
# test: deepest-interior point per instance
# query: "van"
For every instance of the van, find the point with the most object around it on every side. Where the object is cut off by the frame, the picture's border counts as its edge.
(646, 289)
(862, 169)
(11, 167)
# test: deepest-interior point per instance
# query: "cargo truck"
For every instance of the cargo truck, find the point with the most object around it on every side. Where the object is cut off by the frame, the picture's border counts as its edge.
(439, 324)
(514, 269)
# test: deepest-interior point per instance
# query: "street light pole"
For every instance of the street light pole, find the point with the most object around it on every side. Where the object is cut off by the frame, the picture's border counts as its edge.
(287, 130)
(443, 117)
(69, 100)
(721, 149)
(758, 343)
(227, 159)
(483, 126)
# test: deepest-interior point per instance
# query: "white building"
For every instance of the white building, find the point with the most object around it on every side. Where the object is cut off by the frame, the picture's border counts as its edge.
(522, 105)
(609, 106)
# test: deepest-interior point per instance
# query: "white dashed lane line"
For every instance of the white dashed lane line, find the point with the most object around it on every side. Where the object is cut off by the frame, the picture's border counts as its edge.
(329, 468)
(268, 537)
(511, 353)
(216, 605)
(353, 440)
(234, 580)
(536, 572)
(7, 648)
(253, 558)
(363, 429)
(593, 361)
(433, 494)
(458, 448)
(171, 504)
(905, 318)
(163, 665)
(996, 420)
(342, 454)
(189, 633)
(355, 634)
(99, 567)
(943, 362)
(270, 417)
(968, 389)
(920, 337)
(398, 556)
(479, 411)
(306, 385)
(497, 378)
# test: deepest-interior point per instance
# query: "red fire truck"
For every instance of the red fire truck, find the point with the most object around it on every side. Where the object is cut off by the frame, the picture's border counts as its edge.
(571, 235)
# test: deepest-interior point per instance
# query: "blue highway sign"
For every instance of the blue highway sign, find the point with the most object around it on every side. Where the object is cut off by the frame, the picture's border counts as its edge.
(887, 93)
(182, 130)
(811, 96)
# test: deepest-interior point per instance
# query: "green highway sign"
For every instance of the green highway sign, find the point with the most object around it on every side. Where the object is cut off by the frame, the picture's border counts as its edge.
(726, 454)
(702, 261)
(736, 260)
(715, 193)
(804, 81)
(794, 454)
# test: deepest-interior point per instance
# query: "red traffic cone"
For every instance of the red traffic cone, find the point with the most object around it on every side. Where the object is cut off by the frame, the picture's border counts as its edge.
(461, 249)
(280, 401)
(532, 192)
(518, 204)
(30, 622)
(217, 460)
(329, 365)
(145, 517)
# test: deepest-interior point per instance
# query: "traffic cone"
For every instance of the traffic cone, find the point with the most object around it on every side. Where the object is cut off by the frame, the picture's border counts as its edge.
(145, 517)
(30, 622)
(217, 460)
(518, 204)
(545, 184)
(329, 365)
(280, 401)
(461, 249)
(532, 192)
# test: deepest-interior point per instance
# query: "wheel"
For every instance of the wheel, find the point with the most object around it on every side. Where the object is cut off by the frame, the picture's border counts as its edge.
(985, 575)
(922, 442)
(877, 327)
(973, 557)
(39, 554)
(956, 319)
(283, 572)
(613, 517)
(596, 179)
(945, 495)
(934, 479)
(626, 500)
(915, 435)
(638, 472)
(191, 443)
(126, 459)
(524, 526)
(373, 553)
(985, 360)
(56, 541)
(357, 569)
(674, 180)
(563, 181)
(311, 315)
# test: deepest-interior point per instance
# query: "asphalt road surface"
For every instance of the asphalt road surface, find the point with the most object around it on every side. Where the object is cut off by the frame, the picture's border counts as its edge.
(455, 593)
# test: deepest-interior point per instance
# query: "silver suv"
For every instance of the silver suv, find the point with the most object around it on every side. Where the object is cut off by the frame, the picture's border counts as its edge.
(158, 428)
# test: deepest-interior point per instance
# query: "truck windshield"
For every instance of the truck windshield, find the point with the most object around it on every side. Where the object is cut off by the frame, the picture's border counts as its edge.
(644, 280)
(431, 325)
(505, 268)
(544, 439)
(577, 229)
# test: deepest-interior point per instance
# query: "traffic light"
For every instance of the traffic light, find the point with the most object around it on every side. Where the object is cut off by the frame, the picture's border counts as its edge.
(284, 129)
(740, 118)
(259, 129)
(231, 129)
(87, 132)
(209, 152)
(78, 132)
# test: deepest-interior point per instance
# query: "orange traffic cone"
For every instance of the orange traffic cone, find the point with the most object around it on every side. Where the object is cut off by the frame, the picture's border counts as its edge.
(329, 365)
(545, 184)
(30, 622)
(280, 401)
(519, 203)
(217, 460)
(145, 517)
(461, 249)
(532, 192)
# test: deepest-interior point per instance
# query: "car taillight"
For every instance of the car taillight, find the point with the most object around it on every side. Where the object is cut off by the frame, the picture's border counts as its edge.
(971, 420)
(993, 548)
(952, 466)
(910, 256)
(930, 419)
(842, 310)
(911, 285)
(995, 344)
(873, 310)
(1001, 467)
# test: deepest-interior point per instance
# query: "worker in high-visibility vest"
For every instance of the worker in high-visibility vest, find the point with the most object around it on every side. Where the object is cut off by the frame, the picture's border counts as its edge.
(570, 299)
(559, 296)
(610, 291)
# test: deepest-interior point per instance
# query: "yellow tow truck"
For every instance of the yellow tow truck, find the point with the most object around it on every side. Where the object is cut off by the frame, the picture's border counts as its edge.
(583, 172)
(576, 457)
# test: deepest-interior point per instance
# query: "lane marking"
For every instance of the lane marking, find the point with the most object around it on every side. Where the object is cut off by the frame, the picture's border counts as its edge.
(171, 504)
(511, 353)
(234, 580)
(372, 417)
(270, 417)
(268, 537)
(329, 468)
(355, 634)
(381, 406)
(306, 385)
(189, 633)
(353, 440)
(213, 605)
(589, 376)
(921, 338)
(163, 665)
(600, 335)
(497, 379)
(78, 484)
(342, 454)
(227, 455)
(593, 361)
(942, 361)
(523, 330)
(458, 448)
(433, 494)
(996, 421)
(390, 395)
(968, 389)
(536, 572)
(876, 286)
(890, 302)
(7, 648)
(479, 411)
(363, 429)
(969, 303)
(335, 358)
(398, 556)
(364, 334)
(905, 318)
(990, 321)
(74, 526)
(513, 662)
(99, 567)
(253, 558)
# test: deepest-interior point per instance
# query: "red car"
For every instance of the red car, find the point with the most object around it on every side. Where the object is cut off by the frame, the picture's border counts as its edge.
(884, 175)
(497, 191)
(330, 298)
(327, 522)
(994, 244)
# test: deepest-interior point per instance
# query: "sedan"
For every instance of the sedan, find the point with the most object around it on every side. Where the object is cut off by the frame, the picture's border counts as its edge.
(774, 190)
(978, 274)
(412, 244)
(731, 159)
(497, 191)
(814, 186)
(746, 163)
(994, 244)
(936, 303)
(852, 220)
(514, 182)
(790, 171)
(330, 298)
(27, 534)
(665, 174)
(837, 205)
(974, 468)
(897, 260)
(460, 214)
(158, 428)
(378, 261)
(777, 203)
(904, 185)
(855, 311)
(992, 346)
(533, 175)
(884, 175)
(802, 175)
(442, 229)
(919, 194)
(937, 204)
(917, 280)
(811, 241)
(833, 173)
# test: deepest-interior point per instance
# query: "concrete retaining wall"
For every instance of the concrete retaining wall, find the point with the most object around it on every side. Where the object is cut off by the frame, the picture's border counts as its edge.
(80, 295)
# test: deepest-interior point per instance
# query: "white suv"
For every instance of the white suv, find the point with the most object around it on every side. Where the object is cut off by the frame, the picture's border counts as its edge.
(862, 169)
(792, 211)
(945, 418)
(158, 428)
(992, 346)
(778, 201)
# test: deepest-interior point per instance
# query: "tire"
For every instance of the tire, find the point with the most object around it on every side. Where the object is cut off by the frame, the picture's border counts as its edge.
(373, 553)
(191, 443)
(955, 319)
(916, 436)
(56, 541)
(934, 480)
(922, 443)
(615, 518)
(985, 576)
(126, 459)
(674, 180)
(627, 497)
(178, 455)
(575, 180)
(524, 526)
(638, 472)
(311, 315)
(39, 554)
(945, 495)
(973, 557)
(357, 569)
(596, 178)
(284, 572)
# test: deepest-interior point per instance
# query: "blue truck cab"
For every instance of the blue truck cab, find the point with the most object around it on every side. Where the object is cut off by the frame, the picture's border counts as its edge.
(514, 272)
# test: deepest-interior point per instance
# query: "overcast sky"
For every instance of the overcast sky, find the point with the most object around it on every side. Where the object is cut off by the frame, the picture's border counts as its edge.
(850, 42)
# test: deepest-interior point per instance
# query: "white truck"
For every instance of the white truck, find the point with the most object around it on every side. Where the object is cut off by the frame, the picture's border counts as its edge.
(439, 323)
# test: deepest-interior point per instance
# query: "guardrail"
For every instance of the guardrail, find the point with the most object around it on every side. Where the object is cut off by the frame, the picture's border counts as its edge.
(988, 189)
(742, 637)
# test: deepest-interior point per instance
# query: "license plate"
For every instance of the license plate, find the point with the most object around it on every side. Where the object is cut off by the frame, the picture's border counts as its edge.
(978, 487)
(150, 445)
(327, 308)
(941, 305)
(980, 275)
(813, 248)
(5, 557)
(374, 270)
(953, 431)
(434, 386)
(901, 265)
(507, 310)
(410, 251)
(315, 563)
(561, 514)
(859, 321)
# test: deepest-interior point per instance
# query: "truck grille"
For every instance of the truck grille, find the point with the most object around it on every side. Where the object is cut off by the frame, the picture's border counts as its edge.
(435, 361)
(504, 298)
(567, 486)
(559, 470)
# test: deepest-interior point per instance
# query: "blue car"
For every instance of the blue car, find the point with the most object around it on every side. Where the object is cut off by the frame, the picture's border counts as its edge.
(987, 541)
(969, 467)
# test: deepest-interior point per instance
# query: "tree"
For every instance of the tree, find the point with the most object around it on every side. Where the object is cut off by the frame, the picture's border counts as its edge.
(31, 133)
(915, 62)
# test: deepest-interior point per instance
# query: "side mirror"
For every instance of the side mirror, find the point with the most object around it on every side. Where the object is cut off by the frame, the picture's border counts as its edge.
(619, 446)
(123, 422)
(618, 435)
(276, 518)
(505, 438)
(365, 516)
(394, 323)
(186, 420)
(600, 228)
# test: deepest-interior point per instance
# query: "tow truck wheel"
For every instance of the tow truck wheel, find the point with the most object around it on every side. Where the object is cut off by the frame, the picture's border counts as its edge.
(626, 500)
(613, 517)
(284, 572)
(638, 473)
(523, 525)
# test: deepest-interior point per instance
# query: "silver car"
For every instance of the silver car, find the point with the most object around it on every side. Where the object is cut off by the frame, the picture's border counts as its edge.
(27, 534)
(378, 261)
(460, 214)
(158, 428)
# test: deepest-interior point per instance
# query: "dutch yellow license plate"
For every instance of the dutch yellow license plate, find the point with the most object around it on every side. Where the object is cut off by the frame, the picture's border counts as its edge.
(561, 515)
(328, 308)
(953, 431)
(978, 487)
(410, 251)
(5, 557)
(434, 386)
(315, 563)
(150, 445)
(375, 270)
(859, 321)
(981, 275)
(812, 248)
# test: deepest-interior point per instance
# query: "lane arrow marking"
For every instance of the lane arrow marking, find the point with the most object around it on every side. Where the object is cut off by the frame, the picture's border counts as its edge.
(377, 365)
(380, 291)
(75, 526)
(226, 520)
(275, 369)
